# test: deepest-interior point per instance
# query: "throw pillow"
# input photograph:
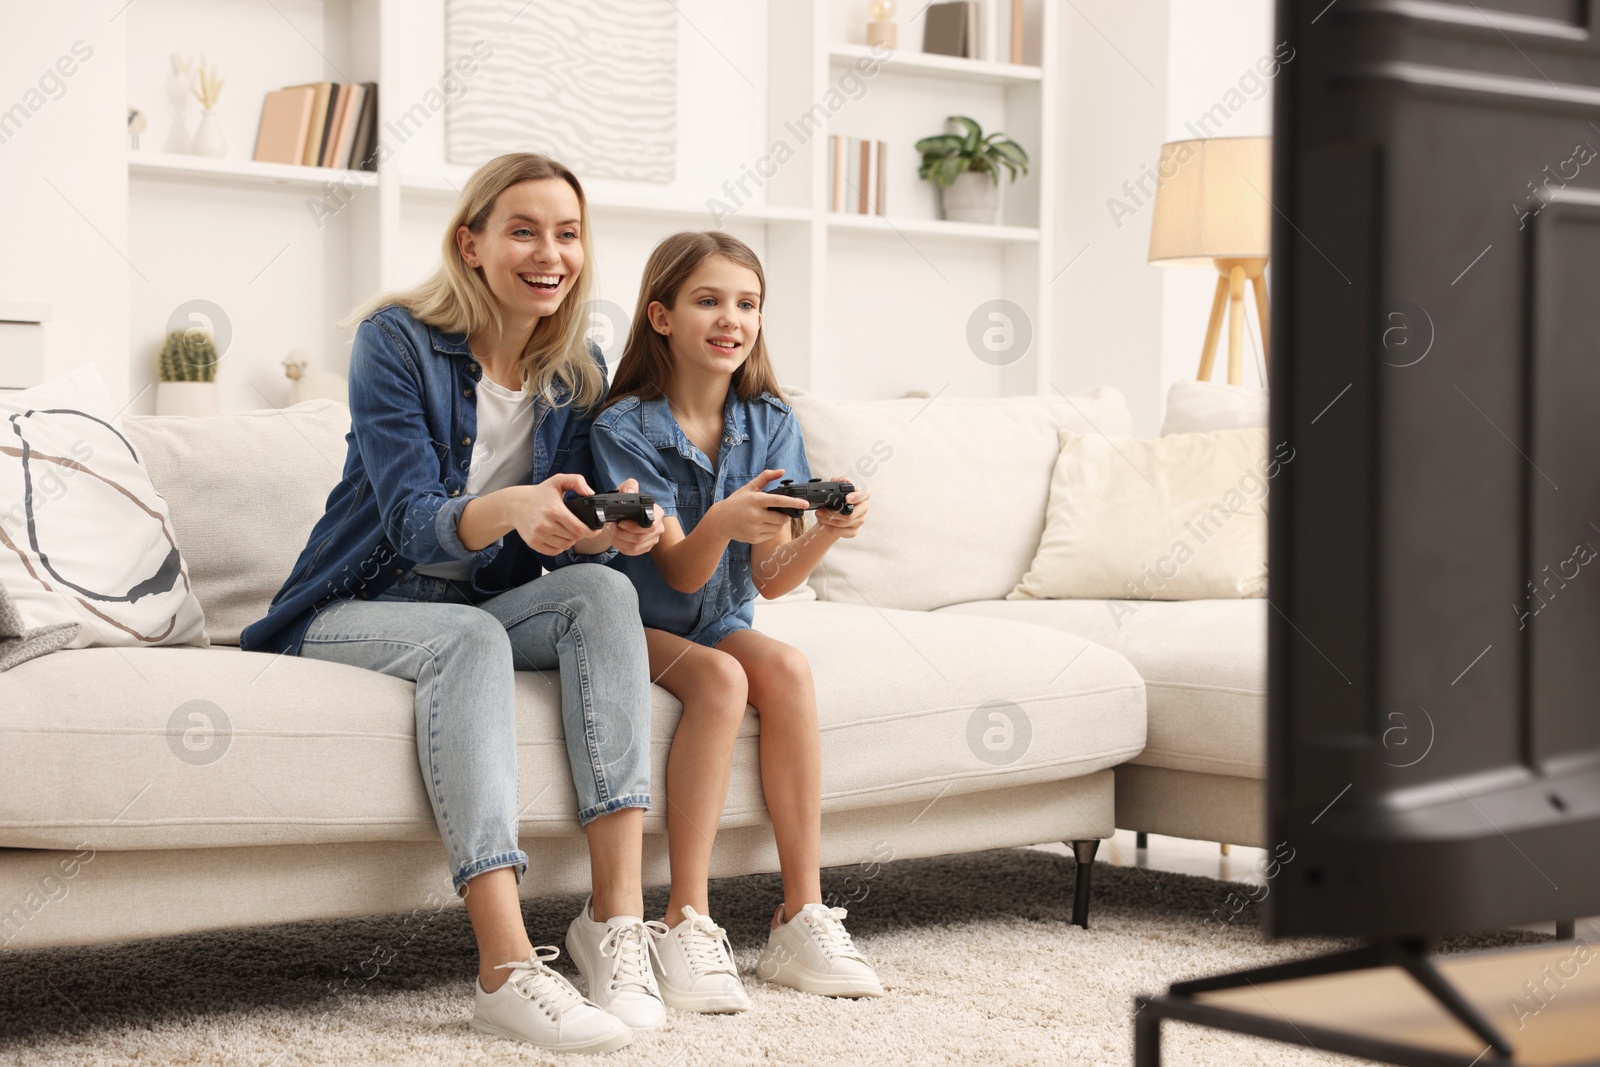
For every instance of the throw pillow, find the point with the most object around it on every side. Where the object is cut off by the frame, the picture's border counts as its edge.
(1199, 407)
(1179, 517)
(84, 536)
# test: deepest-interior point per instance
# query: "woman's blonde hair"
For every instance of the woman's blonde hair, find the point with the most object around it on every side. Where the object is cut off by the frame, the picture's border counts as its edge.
(646, 366)
(456, 299)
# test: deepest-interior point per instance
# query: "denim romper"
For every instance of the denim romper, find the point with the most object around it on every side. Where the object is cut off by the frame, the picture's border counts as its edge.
(641, 439)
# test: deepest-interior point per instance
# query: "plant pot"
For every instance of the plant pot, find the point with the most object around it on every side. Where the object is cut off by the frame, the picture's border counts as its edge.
(188, 398)
(208, 139)
(972, 197)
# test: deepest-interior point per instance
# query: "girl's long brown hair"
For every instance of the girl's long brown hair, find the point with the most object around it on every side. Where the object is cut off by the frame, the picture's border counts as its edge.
(646, 367)
(456, 299)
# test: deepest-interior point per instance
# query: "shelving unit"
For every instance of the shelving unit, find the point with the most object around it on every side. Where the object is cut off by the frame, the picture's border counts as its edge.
(241, 171)
(949, 68)
(966, 231)
(285, 251)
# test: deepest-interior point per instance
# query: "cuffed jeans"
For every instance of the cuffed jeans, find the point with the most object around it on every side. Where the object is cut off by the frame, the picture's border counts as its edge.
(583, 619)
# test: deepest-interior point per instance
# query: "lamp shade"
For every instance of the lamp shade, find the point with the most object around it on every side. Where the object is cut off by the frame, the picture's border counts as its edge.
(1206, 207)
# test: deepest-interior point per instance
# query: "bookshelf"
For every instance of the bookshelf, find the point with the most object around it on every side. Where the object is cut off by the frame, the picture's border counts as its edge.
(251, 239)
(153, 165)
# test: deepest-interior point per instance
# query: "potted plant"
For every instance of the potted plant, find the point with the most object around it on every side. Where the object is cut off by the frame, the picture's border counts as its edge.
(188, 368)
(966, 168)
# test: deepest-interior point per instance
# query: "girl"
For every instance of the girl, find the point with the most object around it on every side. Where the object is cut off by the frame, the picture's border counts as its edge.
(696, 414)
(447, 557)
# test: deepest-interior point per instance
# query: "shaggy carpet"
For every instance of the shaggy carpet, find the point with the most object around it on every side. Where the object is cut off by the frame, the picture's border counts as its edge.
(976, 952)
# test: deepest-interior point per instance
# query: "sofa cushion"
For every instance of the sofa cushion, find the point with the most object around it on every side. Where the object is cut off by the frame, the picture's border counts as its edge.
(181, 747)
(1199, 407)
(1181, 517)
(1204, 664)
(245, 489)
(959, 489)
(86, 541)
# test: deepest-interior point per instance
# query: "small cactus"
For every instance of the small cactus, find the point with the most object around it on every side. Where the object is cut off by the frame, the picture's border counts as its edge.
(188, 356)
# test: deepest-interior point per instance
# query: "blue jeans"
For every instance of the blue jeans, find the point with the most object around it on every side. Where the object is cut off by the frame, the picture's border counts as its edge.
(583, 619)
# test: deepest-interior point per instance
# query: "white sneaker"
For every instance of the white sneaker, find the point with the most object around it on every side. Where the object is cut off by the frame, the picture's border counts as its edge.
(539, 1006)
(813, 953)
(694, 966)
(614, 959)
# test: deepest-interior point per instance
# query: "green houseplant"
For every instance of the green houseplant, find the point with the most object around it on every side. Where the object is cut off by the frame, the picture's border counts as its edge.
(187, 365)
(966, 167)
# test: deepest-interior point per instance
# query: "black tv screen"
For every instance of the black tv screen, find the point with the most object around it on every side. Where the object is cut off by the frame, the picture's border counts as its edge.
(1434, 547)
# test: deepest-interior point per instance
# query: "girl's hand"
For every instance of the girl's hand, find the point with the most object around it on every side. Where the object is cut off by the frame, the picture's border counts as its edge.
(543, 520)
(627, 536)
(845, 525)
(746, 514)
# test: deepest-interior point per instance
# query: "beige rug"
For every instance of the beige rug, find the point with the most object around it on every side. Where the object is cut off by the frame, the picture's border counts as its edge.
(980, 963)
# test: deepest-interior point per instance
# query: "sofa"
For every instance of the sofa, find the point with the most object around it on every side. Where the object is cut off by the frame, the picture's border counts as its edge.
(153, 791)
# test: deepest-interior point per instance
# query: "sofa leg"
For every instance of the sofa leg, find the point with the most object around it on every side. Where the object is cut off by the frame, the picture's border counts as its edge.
(1566, 929)
(1084, 852)
(1141, 840)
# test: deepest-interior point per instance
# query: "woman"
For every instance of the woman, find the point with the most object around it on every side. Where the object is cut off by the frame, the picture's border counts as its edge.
(471, 398)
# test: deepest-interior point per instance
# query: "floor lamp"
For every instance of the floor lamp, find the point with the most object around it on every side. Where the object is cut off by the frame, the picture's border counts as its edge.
(1212, 209)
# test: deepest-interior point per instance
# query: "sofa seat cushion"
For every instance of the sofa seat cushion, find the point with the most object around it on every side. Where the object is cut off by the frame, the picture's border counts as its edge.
(1204, 664)
(185, 747)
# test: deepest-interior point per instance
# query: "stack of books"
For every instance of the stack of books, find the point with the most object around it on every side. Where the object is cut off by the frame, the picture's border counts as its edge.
(858, 175)
(323, 124)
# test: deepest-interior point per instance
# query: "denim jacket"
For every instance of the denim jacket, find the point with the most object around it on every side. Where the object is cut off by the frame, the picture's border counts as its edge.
(642, 439)
(413, 418)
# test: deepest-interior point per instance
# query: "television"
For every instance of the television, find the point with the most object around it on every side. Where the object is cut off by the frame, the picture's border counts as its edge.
(1434, 545)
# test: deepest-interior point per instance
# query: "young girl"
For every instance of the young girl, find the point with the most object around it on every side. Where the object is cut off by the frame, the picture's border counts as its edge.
(696, 416)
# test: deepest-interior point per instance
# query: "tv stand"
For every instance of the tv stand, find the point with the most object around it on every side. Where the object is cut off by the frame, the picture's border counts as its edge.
(1389, 1002)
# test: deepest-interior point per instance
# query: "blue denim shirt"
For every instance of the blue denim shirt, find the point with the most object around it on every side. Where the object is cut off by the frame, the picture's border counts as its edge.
(642, 439)
(413, 418)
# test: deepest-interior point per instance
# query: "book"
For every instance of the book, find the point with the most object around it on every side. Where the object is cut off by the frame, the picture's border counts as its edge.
(364, 150)
(319, 121)
(1017, 21)
(839, 159)
(974, 44)
(944, 29)
(862, 156)
(338, 108)
(880, 172)
(349, 118)
(285, 122)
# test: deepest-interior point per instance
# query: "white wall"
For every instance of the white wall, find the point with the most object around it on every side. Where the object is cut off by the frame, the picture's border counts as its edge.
(63, 209)
(1214, 47)
(1111, 122)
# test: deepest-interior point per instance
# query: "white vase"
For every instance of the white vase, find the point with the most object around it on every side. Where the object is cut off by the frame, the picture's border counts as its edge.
(208, 139)
(972, 197)
(178, 138)
(188, 398)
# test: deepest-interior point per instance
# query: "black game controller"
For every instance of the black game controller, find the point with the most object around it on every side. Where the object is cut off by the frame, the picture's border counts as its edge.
(816, 493)
(601, 508)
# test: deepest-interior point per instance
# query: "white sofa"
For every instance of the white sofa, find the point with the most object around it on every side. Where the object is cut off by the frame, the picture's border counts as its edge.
(155, 791)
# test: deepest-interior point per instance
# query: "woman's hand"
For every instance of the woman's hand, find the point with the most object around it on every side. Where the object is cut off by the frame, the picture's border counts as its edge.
(627, 536)
(543, 520)
(746, 514)
(845, 525)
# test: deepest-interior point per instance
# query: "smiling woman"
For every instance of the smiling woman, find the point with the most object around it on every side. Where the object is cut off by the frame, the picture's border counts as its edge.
(471, 400)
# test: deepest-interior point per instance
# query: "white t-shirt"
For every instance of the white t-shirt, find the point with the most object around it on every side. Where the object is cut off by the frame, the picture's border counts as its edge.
(501, 456)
